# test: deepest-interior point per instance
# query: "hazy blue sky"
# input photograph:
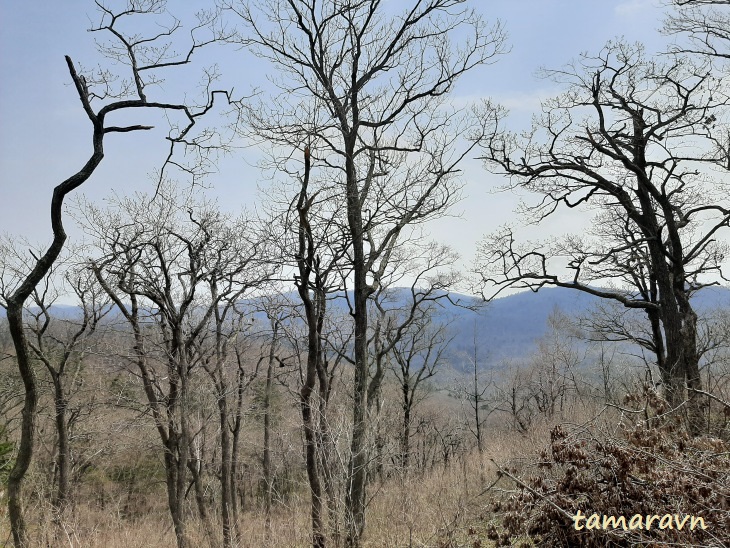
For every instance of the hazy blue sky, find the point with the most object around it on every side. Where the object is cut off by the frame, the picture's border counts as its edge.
(45, 135)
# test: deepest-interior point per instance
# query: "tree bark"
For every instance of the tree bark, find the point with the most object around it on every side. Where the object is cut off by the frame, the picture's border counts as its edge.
(313, 315)
(227, 496)
(406, 434)
(15, 316)
(25, 447)
(268, 476)
(355, 498)
(63, 458)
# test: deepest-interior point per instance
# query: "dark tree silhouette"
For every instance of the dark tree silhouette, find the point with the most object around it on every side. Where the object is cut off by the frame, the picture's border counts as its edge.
(100, 96)
(638, 140)
(364, 87)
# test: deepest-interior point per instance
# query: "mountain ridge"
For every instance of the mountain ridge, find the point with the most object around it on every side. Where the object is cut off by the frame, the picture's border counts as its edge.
(506, 327)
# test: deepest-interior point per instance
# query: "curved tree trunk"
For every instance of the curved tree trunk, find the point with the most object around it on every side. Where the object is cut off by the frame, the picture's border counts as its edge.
(15, 315)
(314, 315)
(25, 447)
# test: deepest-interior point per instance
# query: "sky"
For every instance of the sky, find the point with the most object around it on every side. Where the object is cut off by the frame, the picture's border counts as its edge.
(45, 135)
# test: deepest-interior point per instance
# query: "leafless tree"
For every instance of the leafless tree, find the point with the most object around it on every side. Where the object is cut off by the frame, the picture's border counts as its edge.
(365, 88)
(543, 385)
(226, 344)
(181, 268)
(472, 391)
(275, 318)
(271, 338)
(310, 236)
(317, 263)
(705, 24)
(61, 344)
(638, 140)
(555, 363)
(144, 56)
(419, 355)
(406, 338)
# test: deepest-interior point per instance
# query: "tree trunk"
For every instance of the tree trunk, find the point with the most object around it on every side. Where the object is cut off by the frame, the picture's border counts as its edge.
(355, 499)
(235, 442)
(314, 313)
(25, 447)
(63, 459)
(268, 479)
(695, 414)
(180, 443)
(226, 495)
(326, 450)
(477, 404)
(406, 434)
(318, 536)
(174, 501)
(196, 474)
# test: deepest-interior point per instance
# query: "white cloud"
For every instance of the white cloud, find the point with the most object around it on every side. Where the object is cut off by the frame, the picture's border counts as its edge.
(519, 101)
(632, 8)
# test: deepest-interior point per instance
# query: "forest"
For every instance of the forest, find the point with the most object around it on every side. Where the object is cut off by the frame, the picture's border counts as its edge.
(321, 369)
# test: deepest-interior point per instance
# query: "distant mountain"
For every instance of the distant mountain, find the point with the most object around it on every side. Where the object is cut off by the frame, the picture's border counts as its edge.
(508, 327)
(64, 311)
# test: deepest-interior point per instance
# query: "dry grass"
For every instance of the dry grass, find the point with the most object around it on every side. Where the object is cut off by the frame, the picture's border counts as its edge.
(432, 509)
(445, 507)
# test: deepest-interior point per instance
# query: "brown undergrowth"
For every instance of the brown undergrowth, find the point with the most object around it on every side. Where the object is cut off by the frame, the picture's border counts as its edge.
(441, 508)
(646, 466)
(615, 464)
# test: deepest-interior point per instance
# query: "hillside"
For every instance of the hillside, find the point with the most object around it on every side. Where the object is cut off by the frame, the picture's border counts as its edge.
(507, 327)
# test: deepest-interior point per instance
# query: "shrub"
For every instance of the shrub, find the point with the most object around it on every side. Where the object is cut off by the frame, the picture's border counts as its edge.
(651, 467)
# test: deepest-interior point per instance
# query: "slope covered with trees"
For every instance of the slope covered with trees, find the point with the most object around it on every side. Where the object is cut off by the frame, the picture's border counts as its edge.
(307, 373)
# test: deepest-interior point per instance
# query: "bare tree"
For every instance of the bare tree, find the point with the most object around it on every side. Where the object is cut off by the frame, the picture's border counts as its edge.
(144, 56)
(705, 24)
(317, 263)
(555, 364)
(419, 356)
(182, 267)
(275, 320)
(544, 385)
(61, 344)
(365, 89)
(229, 322)
(311, 239)
(405, 336)
(474, 391)
(638, 140)
(274, 353)
(512, 396)
(609, 322)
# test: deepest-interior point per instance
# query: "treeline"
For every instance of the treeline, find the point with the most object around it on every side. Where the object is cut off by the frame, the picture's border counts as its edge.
(191, 326)
(147, 381)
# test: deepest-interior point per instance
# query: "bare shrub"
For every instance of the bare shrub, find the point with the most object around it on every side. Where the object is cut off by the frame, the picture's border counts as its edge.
(650, 466)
